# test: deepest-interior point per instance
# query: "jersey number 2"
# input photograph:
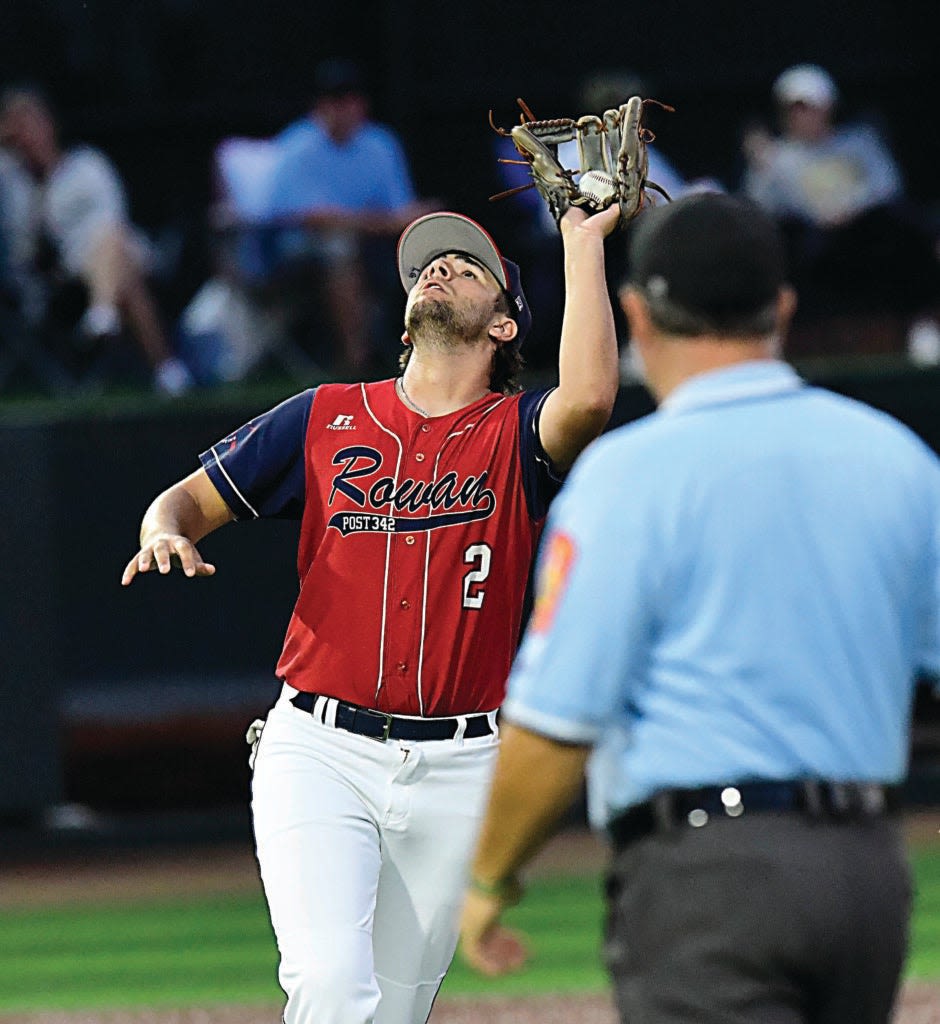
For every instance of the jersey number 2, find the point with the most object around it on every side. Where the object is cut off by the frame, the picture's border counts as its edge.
(479, 555)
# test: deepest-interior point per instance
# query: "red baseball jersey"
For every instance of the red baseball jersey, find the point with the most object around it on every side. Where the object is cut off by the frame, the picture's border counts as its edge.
(416, 539)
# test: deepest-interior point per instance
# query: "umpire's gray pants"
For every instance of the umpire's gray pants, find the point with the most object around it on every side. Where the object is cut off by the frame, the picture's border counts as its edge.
(767, 919)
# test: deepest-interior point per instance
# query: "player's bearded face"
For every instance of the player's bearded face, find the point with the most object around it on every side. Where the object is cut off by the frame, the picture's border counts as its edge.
(453, 321)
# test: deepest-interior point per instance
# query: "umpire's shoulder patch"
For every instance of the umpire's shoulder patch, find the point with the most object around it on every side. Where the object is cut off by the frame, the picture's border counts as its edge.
(553, 575)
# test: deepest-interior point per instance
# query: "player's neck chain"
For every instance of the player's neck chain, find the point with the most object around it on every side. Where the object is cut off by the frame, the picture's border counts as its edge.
(400, 381)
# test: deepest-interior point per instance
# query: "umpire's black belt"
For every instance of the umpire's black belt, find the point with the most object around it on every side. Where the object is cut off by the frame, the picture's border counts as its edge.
(835, 801)
(380, 726)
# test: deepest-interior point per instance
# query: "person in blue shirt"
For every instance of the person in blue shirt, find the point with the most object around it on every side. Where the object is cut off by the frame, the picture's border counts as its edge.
(341, 186)
(735, 596)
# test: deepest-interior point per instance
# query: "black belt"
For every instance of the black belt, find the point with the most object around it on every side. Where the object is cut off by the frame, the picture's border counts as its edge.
(380, 726)
(838, 801)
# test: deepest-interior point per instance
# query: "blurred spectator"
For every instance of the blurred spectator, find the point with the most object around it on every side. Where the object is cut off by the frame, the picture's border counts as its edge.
(342, 182)
(81, 217)
(538, 237)
(861, 257)
(16, 225)
(15, 254)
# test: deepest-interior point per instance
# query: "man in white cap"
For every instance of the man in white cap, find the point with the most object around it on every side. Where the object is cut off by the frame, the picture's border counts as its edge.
(816, 171)
(836, 191)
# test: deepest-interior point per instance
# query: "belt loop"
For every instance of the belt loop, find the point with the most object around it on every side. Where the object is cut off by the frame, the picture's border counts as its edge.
(461, 729)
(812, 795)
(324, 710)
(663, 806)
(840, 796)
(873, 799)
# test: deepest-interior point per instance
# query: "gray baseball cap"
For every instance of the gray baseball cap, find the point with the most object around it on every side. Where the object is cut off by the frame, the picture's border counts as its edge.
(439, 233)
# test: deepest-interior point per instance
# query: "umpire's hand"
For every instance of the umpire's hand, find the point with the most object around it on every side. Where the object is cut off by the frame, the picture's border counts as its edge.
(485, 944)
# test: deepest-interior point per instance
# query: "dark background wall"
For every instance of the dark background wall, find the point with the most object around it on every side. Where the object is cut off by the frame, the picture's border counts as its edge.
(159, 82)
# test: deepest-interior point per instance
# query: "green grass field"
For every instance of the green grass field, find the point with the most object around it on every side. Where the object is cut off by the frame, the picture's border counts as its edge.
(220, 950)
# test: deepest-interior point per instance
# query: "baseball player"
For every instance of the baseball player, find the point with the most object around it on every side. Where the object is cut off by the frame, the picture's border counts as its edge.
(420, 501)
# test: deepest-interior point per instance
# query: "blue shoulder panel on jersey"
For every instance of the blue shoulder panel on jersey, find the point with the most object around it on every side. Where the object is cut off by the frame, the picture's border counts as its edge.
(540, 480)
(259, 469)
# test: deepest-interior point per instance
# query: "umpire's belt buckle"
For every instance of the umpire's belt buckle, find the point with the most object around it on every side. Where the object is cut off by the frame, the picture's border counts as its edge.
(387, 720)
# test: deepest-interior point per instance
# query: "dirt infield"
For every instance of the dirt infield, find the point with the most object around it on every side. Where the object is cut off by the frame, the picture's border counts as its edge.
(920, 1004)
(581, 1010)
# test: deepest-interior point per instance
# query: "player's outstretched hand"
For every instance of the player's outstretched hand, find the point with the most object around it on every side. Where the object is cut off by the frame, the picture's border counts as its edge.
(164, 552)
(485, 944)
(575, 219)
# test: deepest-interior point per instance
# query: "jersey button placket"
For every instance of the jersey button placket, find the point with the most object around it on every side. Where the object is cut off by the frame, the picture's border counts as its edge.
(402, 651)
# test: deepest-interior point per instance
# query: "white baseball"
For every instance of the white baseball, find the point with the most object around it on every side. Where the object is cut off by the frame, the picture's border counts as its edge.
(598, 187)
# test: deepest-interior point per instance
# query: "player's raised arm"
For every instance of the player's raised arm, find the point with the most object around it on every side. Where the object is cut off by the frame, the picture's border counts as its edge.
(176, 519)
(588, 367)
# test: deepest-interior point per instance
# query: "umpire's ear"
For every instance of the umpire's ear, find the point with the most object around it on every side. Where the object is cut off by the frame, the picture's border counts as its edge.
(636, 311)
(503, 330)
(786, 307)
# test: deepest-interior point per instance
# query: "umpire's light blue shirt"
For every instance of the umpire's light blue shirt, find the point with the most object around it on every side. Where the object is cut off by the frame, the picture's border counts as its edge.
(755, 583)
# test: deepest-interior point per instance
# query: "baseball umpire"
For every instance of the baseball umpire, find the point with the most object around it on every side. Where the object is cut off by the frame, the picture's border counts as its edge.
(736, 595)
(420, 501)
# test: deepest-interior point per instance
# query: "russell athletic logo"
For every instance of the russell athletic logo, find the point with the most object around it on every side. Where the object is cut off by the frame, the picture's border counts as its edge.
(341, 423)
(427, 504)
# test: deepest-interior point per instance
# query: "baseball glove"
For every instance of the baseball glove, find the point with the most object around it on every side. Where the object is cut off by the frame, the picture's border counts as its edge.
(613, 160)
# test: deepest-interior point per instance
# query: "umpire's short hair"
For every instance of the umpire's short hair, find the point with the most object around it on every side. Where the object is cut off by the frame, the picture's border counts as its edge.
(708, 263)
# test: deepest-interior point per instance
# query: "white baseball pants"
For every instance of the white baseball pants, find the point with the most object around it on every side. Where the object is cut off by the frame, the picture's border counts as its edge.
(364, 848)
